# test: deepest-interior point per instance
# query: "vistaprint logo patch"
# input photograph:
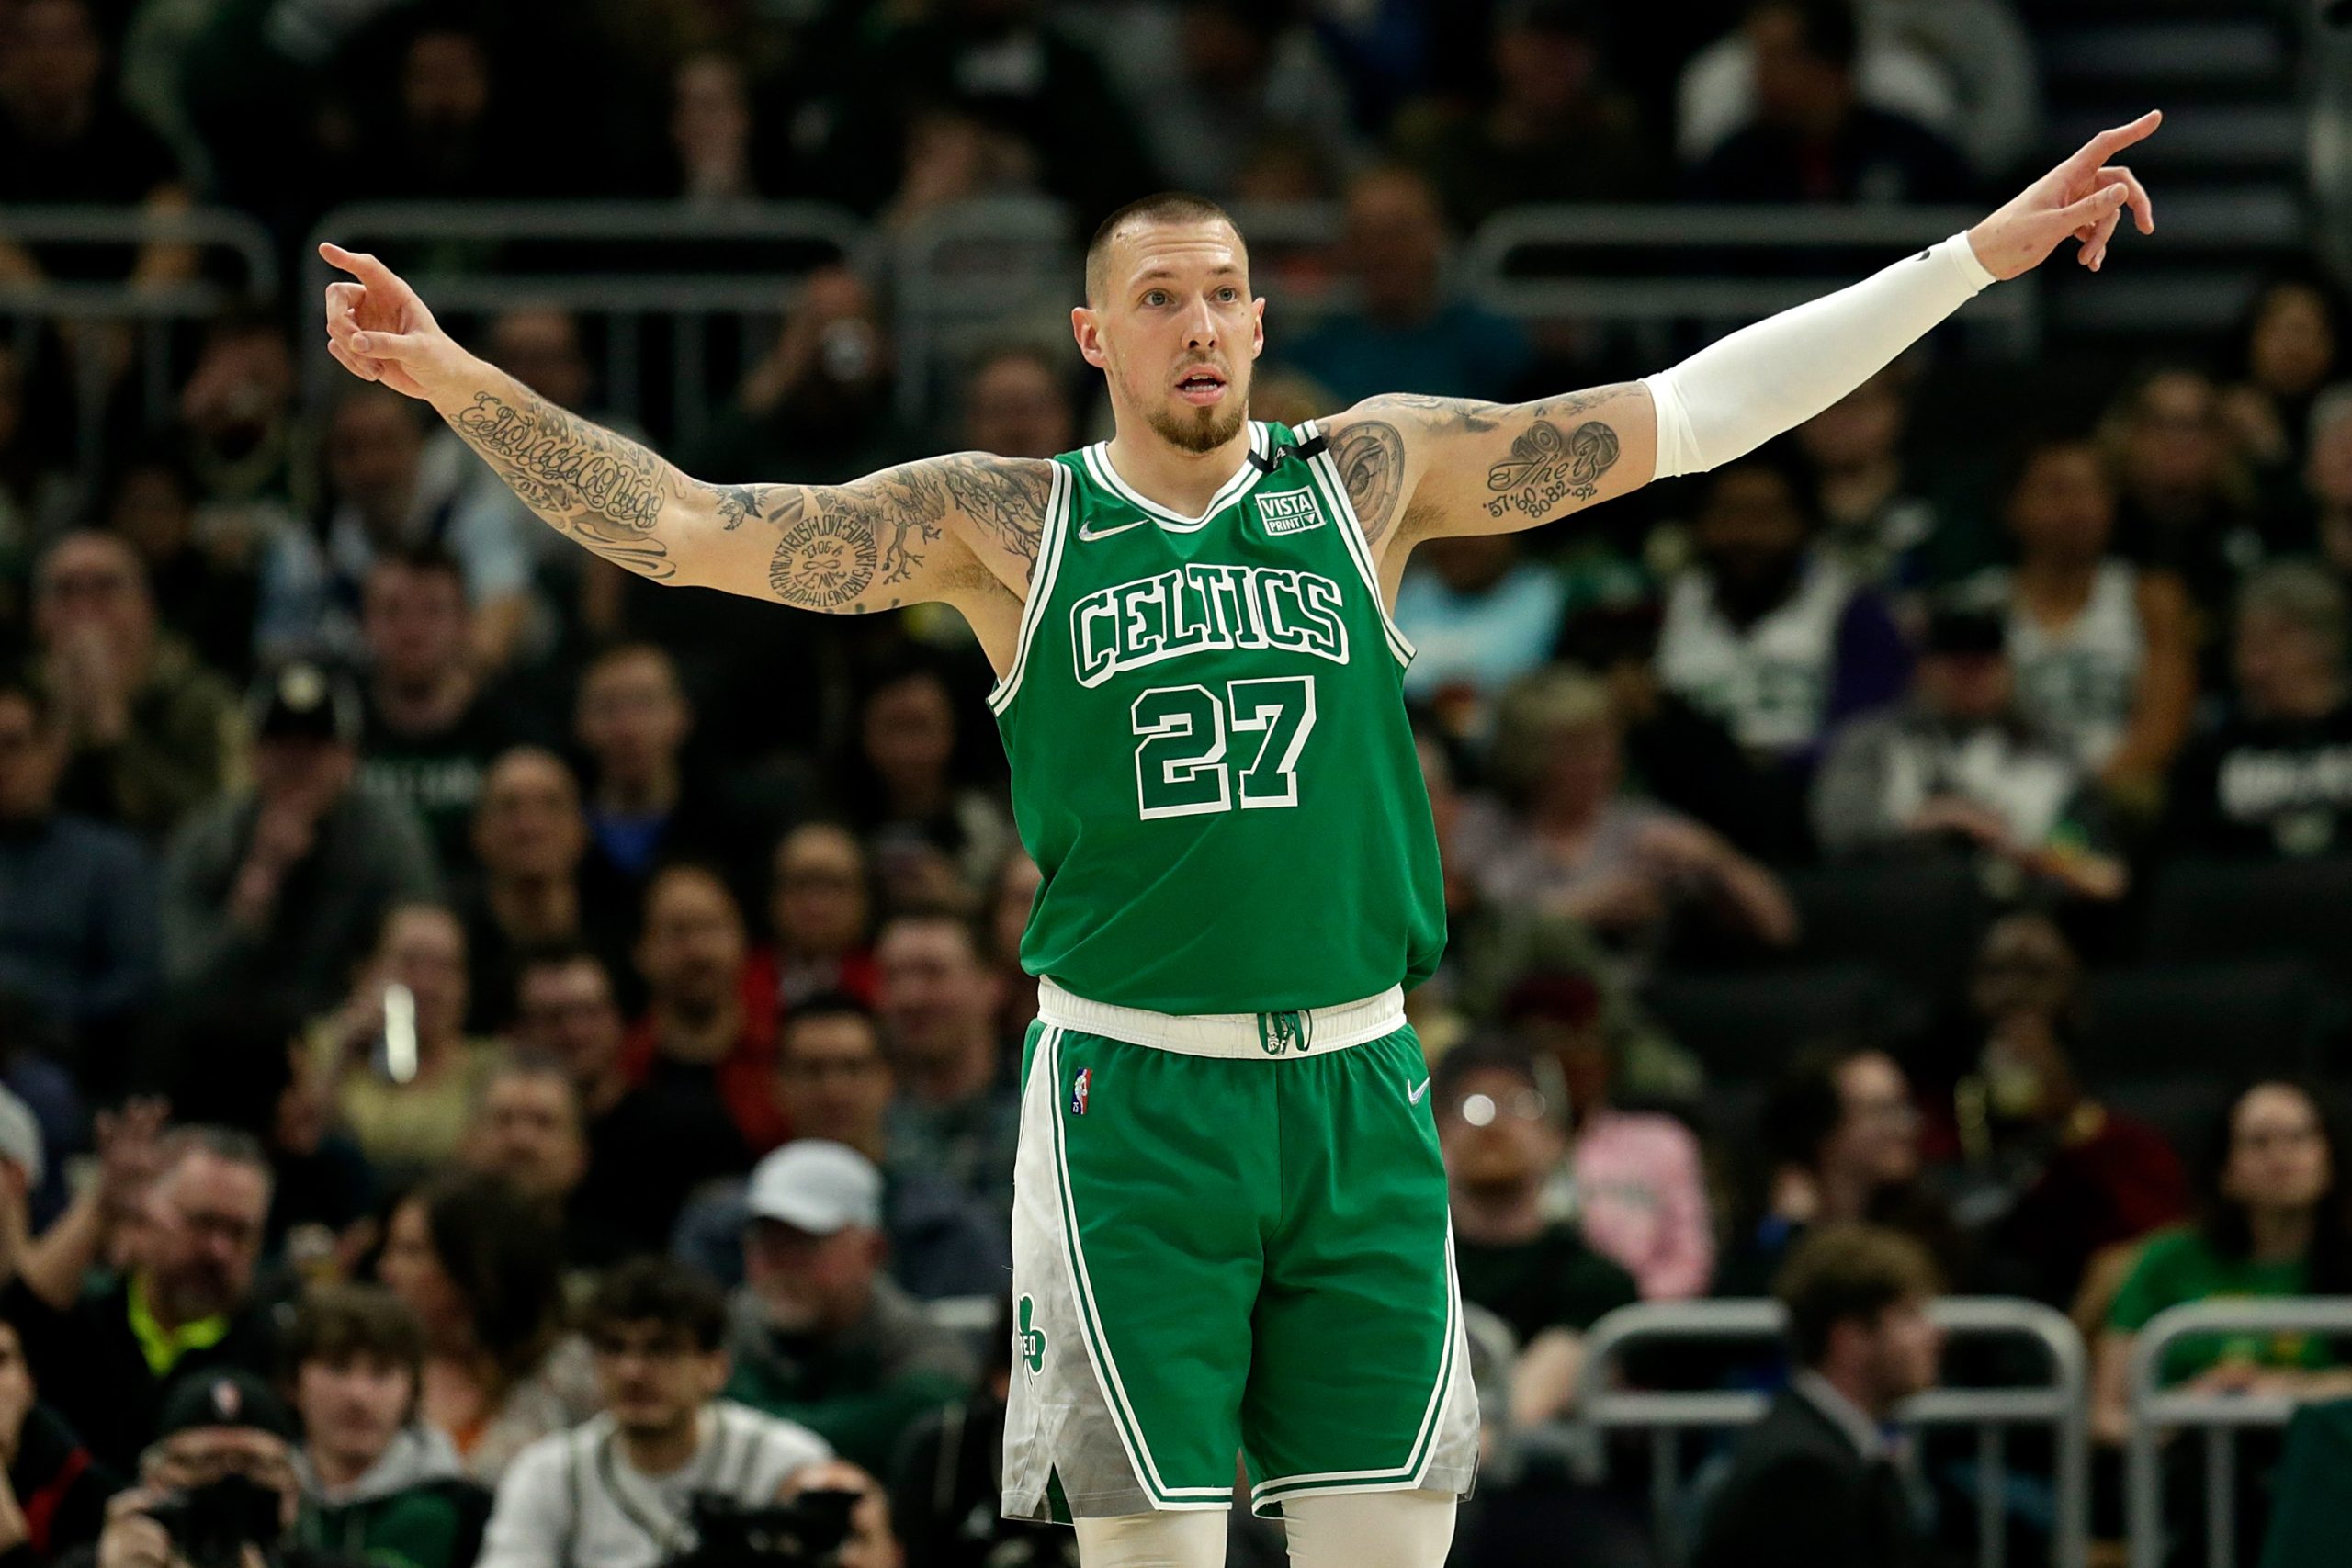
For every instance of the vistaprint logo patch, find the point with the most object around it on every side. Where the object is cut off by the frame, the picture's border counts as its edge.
(1288, 511)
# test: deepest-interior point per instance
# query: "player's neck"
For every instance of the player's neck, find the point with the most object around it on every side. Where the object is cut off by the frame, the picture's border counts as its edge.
(1181, 481)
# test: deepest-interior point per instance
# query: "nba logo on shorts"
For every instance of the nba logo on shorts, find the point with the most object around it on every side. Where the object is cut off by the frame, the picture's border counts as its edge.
(1079, 1088)
(1288, 512)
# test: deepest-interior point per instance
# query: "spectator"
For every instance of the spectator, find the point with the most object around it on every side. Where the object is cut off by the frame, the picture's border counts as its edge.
(871, 1541)
(477, 1263)
(1409, 334)
(1817, 1482)
(2327, 482)
(1766, 632)
(616, 1492)
(54, 1492)
(1503, 1139)
(834, 1083)
(947, 1490)
(1635, 1178)
(200, 595)
(64, 137)
(405, 1077)
(285, 886)
(377, 1485)
(427, 728)
(706, 1044)
(1573, 847)
(220, 1425)
(1962, 68)
(527, 1128)
(437, 134)
(1480, 614)
(185, 1218)
(1212, 81)
(819, 404)
(155, 735)
(1678, 755)
(818, 1334)
(1841, 1134)
(247, 1062)
(1557, 128)
(2061, 1184)
(1018, 403)
(245, 440)
(1956, 768)
(1002, 64)
(2186, 500)
(935, 839)
(1875, 521)
(77, 899)
(1812, 138)
(820, 908)
(2291, 347)
(529, 840)
(646, 1150)
(2102, 648)
(958, 1111)
(710, 133)
(384, 497)
(2272, 1221)
(1013, 894)
(2275, 779)
(644, 806)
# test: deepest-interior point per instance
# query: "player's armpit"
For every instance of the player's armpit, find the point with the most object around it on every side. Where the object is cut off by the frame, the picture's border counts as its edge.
(1420, 468)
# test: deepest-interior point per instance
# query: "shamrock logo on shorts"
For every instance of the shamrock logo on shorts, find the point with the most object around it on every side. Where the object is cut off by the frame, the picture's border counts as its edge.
(1029, 1344)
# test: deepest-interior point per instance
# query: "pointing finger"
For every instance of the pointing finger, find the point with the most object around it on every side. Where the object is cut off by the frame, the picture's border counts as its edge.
(2106, 143)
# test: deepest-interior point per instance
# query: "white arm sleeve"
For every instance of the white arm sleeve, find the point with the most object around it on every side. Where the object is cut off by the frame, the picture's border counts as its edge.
(1733, 396)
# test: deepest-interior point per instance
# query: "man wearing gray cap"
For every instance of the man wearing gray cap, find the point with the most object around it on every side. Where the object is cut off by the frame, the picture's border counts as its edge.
(818, 1333)
(285, 884)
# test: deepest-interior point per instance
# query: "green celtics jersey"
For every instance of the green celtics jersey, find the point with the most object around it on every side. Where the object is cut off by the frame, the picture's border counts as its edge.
(1211, 760)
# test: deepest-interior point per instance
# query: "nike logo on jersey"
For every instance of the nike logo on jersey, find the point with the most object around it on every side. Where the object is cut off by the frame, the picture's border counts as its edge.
(1089, 534)
(1201, 607)
(1415, 1098)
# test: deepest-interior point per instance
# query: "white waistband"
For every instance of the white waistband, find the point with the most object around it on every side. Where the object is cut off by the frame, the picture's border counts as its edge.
(1241, 1035)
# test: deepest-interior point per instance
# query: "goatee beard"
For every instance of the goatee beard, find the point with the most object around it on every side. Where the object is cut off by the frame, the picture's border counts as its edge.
(1207, 430)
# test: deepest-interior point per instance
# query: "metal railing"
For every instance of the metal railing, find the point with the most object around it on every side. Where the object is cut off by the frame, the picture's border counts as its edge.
(456, 239)
(2060, 1406)
(2220, 1416)
(150, 310)
(1753, 261)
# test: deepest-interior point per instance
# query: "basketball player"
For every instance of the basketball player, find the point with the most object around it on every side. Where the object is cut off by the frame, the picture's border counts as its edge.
(1229, 1227)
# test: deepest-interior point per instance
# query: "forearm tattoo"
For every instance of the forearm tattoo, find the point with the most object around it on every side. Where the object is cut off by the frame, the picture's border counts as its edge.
(605, 491)
(1370, 456)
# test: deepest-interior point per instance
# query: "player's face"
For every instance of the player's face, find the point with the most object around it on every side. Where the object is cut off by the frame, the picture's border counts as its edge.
(1176, 330)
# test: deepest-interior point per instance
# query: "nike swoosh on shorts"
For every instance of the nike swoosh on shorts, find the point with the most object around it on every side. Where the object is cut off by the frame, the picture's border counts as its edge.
(1415, 1097)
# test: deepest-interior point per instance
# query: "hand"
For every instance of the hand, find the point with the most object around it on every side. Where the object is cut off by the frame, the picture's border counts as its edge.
(93, 687)
(1622, 901)
(131, 1538)
(379, 331)
(1680, 850)
(2084, 196)
(1950, 814)
(131, 1151)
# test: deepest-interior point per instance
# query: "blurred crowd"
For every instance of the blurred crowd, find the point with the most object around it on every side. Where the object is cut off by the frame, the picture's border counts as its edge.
(472, 1021)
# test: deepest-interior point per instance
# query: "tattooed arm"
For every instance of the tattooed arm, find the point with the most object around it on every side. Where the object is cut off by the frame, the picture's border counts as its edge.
(1418, 468)
(962, 529)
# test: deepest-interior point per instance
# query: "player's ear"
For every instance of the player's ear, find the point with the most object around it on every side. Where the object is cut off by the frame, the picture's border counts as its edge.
(1256, 326)
(1087, 327)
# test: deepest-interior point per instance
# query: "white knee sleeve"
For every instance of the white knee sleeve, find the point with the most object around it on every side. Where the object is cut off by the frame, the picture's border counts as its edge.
(1369, 1529)
(1191, 1539)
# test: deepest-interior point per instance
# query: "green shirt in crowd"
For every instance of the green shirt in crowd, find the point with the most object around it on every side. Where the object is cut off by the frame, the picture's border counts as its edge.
(2182, 1265)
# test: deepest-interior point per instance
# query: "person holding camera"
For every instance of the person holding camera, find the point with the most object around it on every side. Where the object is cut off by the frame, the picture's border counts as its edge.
(377, 1481)
(218, 1487)
(669, 1462)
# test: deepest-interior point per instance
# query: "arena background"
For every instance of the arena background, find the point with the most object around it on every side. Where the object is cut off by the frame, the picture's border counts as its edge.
(1969, 896)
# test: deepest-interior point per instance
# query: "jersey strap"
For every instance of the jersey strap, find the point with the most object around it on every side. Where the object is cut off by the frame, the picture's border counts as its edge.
(1335, 494)
(1041, 582)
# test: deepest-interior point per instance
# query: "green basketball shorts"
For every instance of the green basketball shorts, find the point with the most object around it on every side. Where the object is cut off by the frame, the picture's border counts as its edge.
(1229, 1236)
